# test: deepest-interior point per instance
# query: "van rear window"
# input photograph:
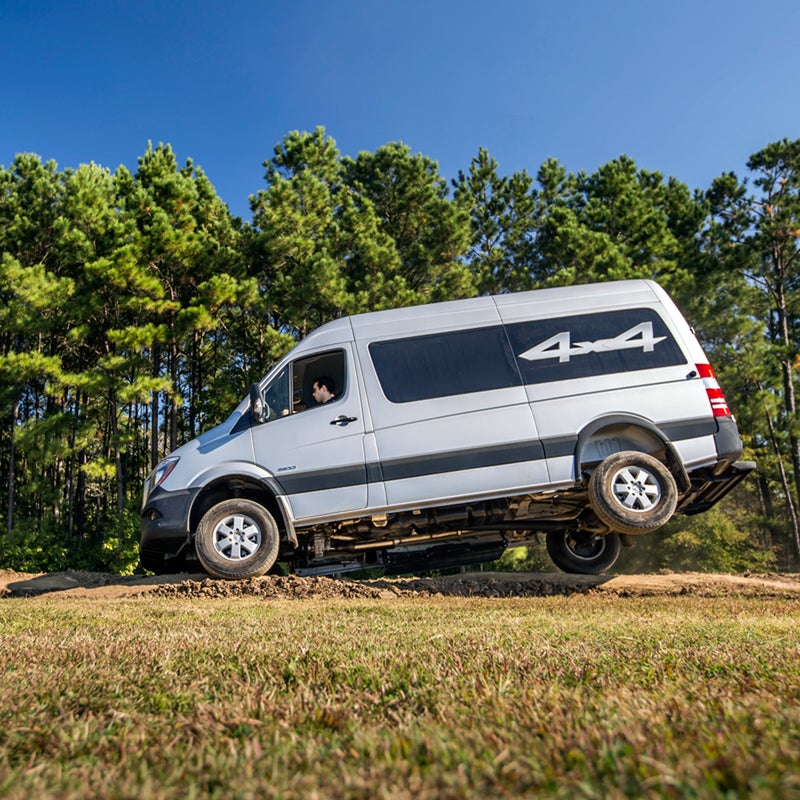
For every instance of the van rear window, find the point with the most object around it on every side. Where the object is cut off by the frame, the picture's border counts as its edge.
(444, 364)
(587, 345)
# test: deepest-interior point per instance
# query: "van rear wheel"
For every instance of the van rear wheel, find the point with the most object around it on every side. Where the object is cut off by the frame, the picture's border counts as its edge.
(583, 553)
(237, 539)
(633, 492)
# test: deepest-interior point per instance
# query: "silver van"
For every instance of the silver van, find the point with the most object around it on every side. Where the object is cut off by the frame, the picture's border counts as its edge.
(440, 435)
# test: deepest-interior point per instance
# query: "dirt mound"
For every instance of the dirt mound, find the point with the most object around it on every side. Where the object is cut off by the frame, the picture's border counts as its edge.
(473, 584)
(102, 585)
(270, 586)
(477, 585)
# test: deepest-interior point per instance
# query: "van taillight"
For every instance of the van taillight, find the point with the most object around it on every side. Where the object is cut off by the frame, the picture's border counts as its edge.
(719, 405)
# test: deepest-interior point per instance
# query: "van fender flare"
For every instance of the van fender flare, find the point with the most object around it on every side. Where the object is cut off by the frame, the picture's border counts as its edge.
(674, 462)
(251, 474)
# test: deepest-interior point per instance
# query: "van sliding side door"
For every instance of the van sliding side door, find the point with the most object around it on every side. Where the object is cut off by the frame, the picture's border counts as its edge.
(452, 420)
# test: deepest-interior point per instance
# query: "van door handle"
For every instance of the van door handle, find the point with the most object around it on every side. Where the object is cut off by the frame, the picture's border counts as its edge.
(342, 420)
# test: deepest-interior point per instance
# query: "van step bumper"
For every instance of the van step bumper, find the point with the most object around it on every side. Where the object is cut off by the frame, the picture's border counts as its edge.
(709, 487)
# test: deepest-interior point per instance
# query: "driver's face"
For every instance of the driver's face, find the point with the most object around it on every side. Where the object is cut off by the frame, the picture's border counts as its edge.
(320, 393)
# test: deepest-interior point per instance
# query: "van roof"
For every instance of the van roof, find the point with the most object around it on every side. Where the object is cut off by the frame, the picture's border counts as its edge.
(476, 312)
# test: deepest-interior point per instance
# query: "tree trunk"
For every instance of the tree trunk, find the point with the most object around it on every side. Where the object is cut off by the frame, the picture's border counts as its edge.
(80, 514)
(12, 466)
(786, 488)
(114, 435)
(787, 373)
(154, 411)
(767, 509)
(195, 384)
(173, 405)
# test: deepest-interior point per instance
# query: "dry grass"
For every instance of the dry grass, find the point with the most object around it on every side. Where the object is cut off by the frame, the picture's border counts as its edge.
(581, 696)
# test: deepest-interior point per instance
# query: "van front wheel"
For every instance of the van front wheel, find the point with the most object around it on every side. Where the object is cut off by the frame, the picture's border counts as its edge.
(237, 539)
(583, 553)
(633, 492)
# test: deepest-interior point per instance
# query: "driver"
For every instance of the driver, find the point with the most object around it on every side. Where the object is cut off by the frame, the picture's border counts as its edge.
(324, 389)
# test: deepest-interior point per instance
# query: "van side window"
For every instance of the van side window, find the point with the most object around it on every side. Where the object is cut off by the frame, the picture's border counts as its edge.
(276, 395)
(306, 371)
(444, 364)
(290, 391)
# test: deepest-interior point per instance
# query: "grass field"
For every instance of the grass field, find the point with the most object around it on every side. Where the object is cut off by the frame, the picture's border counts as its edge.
(580, 696)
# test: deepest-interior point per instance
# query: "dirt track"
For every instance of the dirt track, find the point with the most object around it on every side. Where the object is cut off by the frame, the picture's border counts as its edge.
(104, 586)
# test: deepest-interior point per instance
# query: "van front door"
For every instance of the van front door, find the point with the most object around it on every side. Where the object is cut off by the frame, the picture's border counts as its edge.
(313, 444)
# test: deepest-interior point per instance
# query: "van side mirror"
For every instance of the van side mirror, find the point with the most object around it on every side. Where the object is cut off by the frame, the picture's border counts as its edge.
(258, 408)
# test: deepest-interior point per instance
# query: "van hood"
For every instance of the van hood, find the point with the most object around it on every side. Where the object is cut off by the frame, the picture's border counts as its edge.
(212, 438)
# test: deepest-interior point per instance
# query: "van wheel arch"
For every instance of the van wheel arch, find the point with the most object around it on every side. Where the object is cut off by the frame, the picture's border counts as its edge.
(238, 488)
(631, 434)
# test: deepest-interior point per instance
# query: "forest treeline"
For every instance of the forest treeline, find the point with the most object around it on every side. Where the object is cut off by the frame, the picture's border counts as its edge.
(136, 310)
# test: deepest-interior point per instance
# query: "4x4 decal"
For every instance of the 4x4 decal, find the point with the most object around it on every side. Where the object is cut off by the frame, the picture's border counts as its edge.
(559, 346)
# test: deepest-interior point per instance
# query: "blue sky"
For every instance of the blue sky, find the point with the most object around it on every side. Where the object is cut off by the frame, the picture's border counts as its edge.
(689, 89)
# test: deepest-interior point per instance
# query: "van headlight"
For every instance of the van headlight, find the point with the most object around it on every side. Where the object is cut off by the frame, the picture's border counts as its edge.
(158, 476)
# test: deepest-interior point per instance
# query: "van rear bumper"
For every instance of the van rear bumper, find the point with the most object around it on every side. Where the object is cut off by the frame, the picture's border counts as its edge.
(709, 487)
(727, 440)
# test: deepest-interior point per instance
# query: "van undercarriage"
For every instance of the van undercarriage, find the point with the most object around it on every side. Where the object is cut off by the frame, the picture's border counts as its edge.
(438, 538)
(580, 534)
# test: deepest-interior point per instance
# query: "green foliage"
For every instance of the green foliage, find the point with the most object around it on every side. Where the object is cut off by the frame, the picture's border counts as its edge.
(338, 236)
(711, 542)
(503, 254)
(135, 311)
(430, 234)
(614, 224)
(113, 547)
(751, 248)
(29, 196)
(44, 552)
(532, 558)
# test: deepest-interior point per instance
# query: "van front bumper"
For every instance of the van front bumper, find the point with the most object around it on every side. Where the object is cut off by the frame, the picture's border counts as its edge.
(165, 524)
(709, 486)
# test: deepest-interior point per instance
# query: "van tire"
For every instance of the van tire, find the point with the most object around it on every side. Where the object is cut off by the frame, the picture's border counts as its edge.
(237, 539)
(633, 492)
(583, 553)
